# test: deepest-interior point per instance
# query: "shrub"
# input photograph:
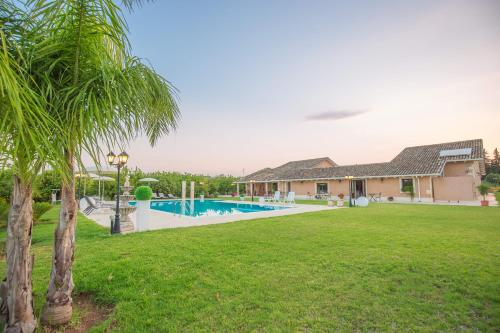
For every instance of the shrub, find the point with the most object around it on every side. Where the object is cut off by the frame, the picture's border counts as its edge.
(493, 179)
(143, 193)
(4, 212)
(40, 208)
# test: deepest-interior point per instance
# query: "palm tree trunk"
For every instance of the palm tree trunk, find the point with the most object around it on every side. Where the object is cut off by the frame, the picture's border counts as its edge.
(59, 303)
(20, 261)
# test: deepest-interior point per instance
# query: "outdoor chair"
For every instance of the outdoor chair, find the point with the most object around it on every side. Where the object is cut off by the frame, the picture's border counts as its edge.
(277, 196)
(161, 196)
(170, 196)
(91, 205)
(155, 195)
(290, 199)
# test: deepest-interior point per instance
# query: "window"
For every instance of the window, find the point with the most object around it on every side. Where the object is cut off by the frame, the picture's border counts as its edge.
(321, 188)
(406, 184)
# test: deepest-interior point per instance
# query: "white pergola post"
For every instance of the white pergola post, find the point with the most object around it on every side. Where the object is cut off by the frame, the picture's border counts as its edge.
(191, 192)
(430, 187)
(419, 194)
(183, 196)
(238, 189)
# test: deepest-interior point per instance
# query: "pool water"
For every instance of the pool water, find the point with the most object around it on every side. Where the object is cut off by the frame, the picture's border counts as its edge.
(209, 207)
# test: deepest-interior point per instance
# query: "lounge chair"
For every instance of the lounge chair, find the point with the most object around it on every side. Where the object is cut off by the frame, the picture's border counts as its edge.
(91, 205)
(155, 195)
(277, 196)
(290, 199)
(161, 196)
(170, 196)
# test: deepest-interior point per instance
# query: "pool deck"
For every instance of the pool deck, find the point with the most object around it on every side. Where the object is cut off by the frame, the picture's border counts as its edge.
(162, 220)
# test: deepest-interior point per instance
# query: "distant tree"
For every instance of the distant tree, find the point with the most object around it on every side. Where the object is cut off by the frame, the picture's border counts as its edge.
(487, 161)
(495, 160)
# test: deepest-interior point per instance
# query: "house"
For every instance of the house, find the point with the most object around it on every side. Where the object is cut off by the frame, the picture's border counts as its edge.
(445, 172)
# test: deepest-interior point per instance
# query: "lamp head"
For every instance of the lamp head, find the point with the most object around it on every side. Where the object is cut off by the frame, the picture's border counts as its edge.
(123, 158)
(111, 158)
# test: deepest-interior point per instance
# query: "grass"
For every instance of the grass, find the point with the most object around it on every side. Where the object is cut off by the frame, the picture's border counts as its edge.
(390, 268)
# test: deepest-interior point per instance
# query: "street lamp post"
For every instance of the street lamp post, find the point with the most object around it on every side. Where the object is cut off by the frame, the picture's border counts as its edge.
(118, 161)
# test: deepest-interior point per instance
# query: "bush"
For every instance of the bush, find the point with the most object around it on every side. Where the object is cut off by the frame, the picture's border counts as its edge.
(4, 212)
(143, 193)
(40, 208)
(493, 179)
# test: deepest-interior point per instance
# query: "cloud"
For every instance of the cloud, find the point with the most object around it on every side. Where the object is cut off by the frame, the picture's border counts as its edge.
(335, 115)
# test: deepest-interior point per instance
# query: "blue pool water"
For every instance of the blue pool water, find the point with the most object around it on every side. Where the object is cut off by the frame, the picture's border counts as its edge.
(208, 207)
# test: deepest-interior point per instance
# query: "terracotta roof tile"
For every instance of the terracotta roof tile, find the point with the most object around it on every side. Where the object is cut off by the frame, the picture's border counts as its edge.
(419, 160)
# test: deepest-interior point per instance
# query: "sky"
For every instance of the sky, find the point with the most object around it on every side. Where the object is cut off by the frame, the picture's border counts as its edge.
(265, 82)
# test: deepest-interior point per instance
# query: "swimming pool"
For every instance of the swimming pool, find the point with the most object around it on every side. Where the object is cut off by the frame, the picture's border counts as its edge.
(198, 208)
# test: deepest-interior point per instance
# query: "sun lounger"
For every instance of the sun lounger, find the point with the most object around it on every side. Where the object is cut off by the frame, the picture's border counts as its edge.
(277, 196)
(161, 196)
(91, 205)
(170, 196)
(290, 198)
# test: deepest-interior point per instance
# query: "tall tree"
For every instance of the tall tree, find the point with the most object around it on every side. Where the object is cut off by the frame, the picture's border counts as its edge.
(101, 96)
(25, 130)
(496, 158)
(487, 161)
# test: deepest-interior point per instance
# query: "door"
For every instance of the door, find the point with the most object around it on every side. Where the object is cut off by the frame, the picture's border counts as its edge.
(358, 188)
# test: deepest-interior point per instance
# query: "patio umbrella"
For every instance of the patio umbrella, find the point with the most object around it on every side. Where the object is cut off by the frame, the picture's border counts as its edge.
(103, 179)
(148, 180)
(84, 175)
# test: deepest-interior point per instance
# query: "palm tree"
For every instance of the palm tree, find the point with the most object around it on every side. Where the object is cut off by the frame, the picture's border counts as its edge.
(25, 130)
(100, 95)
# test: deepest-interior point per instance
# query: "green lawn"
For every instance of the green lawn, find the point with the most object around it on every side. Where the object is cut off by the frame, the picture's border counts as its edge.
(385, 268)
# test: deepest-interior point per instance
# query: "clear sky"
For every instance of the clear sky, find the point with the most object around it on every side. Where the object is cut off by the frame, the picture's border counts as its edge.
(265, 82)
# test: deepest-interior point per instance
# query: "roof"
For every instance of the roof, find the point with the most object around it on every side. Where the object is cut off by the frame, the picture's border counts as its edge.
(412, 161)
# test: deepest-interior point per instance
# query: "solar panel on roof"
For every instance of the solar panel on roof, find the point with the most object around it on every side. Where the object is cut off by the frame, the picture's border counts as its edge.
(455, 152)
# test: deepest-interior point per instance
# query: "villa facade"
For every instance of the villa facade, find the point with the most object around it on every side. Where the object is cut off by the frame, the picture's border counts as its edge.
(445, 172)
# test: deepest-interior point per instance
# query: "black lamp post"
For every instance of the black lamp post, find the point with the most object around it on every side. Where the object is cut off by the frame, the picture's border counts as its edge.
(117, 161)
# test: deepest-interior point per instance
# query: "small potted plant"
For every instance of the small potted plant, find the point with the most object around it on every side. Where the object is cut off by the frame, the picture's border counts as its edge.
(143, 195)
(340, 202)
(483, 190)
